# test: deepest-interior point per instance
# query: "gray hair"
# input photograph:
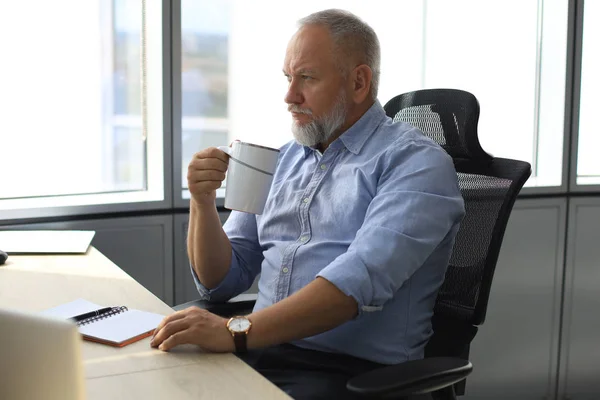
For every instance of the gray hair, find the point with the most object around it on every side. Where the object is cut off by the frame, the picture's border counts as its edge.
(352, 36)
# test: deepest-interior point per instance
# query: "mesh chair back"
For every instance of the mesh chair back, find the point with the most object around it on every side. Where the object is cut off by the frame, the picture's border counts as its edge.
(488, 185)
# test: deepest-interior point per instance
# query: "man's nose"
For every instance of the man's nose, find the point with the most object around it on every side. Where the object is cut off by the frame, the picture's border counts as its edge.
(293, 95)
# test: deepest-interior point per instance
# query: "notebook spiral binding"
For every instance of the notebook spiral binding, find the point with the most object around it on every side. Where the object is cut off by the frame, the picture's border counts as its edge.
(113, 311)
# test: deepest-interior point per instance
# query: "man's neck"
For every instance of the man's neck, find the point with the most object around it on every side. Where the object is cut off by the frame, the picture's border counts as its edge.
(354, 115)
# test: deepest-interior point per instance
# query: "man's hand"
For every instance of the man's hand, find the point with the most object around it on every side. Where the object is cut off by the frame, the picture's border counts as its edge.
(205, 174)
(194, 326)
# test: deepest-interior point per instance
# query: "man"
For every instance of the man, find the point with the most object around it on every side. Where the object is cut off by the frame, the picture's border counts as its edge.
(355, 237)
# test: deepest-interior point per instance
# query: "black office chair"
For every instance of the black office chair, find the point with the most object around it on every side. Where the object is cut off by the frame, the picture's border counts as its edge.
(489, 187)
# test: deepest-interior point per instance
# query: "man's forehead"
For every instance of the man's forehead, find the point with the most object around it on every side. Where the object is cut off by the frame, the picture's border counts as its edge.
(309, 49)
(299, 66)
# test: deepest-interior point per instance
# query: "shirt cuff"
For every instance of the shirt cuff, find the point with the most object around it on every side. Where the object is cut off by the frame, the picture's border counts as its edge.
(222, 292)
(357, 284)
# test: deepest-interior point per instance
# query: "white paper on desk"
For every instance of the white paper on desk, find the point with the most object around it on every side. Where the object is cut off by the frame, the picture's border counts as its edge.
(122, 327)
(117, 328)
(46, 242)
(71, 309)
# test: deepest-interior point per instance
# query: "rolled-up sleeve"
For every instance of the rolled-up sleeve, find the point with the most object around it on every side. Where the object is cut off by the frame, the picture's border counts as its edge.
(416, 206)
(246, 259)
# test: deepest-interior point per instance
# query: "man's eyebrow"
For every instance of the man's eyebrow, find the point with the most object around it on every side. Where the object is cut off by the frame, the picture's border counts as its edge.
(301, 71)
(307, 71)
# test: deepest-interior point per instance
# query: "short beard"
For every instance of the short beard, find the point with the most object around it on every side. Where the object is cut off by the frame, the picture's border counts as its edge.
(320, 130)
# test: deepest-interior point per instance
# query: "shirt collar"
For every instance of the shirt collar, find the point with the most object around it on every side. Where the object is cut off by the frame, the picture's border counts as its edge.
(355, 137)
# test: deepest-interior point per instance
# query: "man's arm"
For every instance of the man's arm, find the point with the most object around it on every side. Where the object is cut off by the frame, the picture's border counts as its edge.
(209, 249)
(314, 309)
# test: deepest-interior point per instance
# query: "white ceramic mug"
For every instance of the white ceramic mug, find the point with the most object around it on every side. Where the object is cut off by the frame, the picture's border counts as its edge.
(249, 176)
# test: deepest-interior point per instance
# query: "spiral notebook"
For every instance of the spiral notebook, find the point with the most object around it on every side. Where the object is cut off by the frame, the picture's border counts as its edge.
(118, 326)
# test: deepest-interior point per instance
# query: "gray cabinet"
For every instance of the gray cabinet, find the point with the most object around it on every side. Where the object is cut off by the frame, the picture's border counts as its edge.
(580, 350)
(514, 355)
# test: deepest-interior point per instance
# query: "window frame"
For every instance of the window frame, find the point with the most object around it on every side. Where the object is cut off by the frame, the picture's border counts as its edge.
(576, 40)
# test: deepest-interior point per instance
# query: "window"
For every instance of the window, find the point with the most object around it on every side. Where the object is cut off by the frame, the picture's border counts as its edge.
(205, 32)
(511, 55)
(82, 98)
(588, 167)
(76, 97)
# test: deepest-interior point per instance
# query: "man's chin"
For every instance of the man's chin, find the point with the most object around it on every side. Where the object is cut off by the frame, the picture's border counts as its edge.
(298, 124)
(308, 134)
(303, 139)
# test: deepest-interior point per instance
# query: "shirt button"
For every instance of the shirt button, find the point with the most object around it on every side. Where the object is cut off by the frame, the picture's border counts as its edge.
(306, 200)
(285, 270)
(304, 239)
(323, 166)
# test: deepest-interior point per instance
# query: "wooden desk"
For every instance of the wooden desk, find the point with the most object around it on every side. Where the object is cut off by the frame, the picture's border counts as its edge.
(137, 371)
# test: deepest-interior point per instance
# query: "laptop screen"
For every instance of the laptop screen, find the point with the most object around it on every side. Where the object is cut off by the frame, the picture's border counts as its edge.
(40, 358)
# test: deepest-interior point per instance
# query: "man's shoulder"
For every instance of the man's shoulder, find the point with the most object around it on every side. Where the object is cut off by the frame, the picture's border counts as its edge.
(405, 133)
(402, 138)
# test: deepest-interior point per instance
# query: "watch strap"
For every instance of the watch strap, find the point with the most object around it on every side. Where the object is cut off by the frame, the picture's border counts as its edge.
(239, 339)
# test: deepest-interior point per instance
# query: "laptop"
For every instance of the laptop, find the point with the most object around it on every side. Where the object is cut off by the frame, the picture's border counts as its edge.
(40, 358)
(46, 242)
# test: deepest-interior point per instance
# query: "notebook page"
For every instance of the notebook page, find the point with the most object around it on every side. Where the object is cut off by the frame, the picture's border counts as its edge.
(121, 327)
(71, 309)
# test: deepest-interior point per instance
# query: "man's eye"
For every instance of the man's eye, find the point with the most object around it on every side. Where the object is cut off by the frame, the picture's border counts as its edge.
(306, 77)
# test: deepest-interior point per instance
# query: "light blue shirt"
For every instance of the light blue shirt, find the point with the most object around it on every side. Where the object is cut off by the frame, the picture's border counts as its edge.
(376, 215)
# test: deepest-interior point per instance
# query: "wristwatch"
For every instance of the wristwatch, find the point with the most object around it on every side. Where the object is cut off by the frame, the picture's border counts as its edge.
(239, 326)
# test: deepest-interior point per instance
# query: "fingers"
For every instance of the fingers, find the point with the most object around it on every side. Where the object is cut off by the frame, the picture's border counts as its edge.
(200, 164)
(204, 181)
(206, 171)
(174, 340)
(212, 153)
(175, 316)
(200, 175)
(168, 330)
(194, 326)
(211, 161)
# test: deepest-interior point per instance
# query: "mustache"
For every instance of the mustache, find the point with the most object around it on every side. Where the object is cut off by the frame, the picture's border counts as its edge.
(297, 109)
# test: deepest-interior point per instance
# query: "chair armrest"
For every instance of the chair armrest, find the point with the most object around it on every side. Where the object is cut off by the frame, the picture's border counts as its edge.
(411, 377)
(238, 305)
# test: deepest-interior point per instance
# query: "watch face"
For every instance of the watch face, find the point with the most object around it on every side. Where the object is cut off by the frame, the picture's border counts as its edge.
(239, 324)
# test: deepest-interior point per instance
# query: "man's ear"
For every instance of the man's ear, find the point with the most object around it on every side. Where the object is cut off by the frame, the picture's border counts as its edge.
(361, 80)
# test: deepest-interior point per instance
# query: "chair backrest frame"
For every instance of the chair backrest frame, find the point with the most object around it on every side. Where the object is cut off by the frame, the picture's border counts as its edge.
(450, 118)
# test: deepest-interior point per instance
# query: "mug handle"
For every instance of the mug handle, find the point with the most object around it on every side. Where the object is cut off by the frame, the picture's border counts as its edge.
(225, 149)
